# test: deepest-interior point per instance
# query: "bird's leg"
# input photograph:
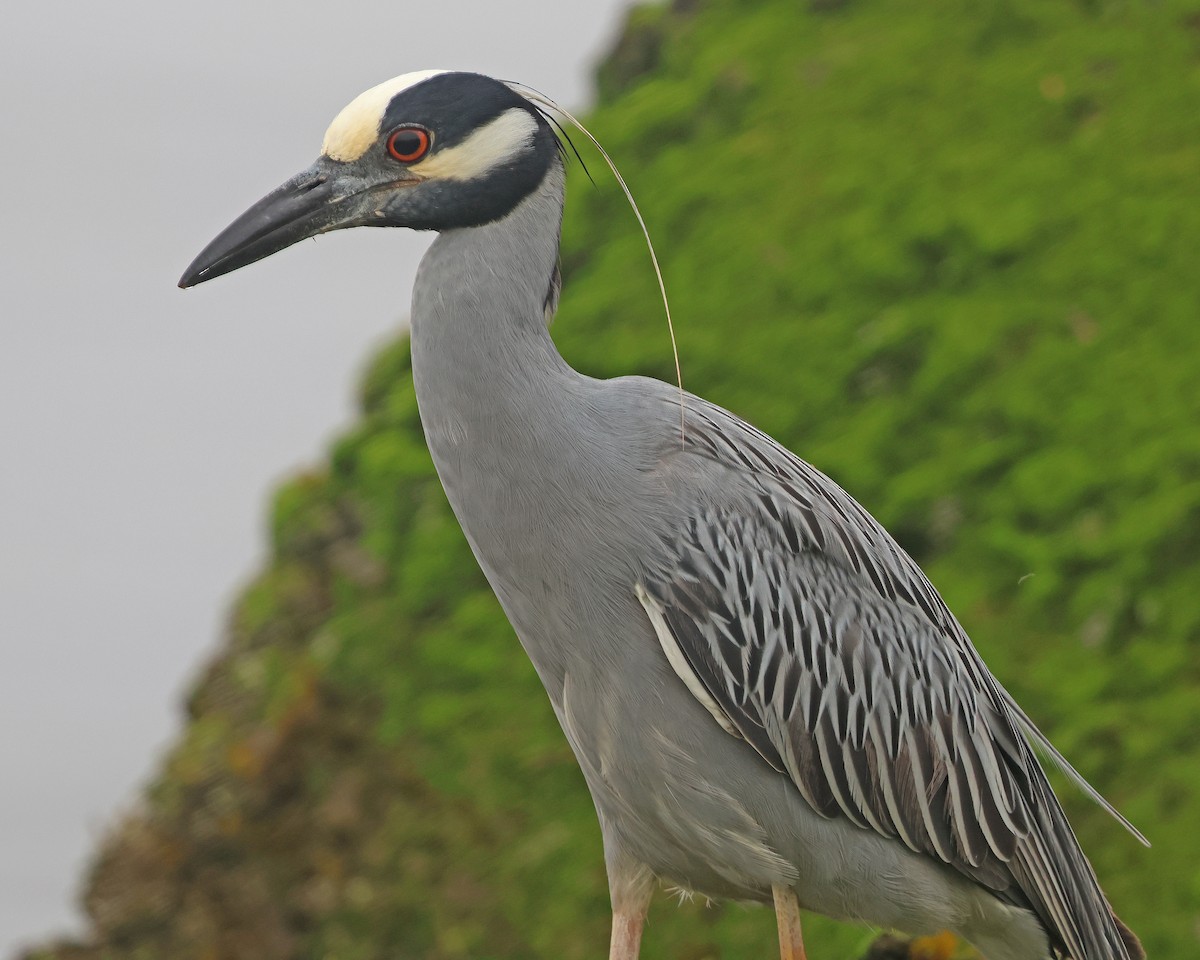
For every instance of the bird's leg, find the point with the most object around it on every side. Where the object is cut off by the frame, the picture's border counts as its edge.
(626, 934)
(787, 916)
(630, 885)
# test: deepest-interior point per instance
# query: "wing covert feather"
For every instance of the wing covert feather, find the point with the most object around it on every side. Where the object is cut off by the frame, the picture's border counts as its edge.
(823, 645)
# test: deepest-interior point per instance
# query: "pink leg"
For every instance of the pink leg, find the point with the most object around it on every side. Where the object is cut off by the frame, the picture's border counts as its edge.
(626, 935)
(630, 885)
(787, 916)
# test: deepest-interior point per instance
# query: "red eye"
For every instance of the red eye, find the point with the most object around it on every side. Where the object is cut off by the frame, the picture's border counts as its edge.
(408, 144)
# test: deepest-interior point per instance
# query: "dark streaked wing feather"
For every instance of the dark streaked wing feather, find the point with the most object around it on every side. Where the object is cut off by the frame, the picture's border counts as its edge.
(827, 649)
(818, 710)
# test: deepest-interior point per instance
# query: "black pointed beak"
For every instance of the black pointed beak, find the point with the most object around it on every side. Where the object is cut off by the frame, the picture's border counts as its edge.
(303, 207)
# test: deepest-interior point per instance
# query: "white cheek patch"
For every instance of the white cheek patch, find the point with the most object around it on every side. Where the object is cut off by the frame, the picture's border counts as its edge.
(357, 126)
(502, 139)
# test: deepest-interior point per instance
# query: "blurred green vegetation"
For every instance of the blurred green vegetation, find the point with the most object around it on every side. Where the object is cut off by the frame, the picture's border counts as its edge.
(947, 252)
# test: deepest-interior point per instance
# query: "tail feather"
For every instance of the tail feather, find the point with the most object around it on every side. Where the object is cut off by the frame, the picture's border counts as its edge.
(1133, 946)
(1062, 889)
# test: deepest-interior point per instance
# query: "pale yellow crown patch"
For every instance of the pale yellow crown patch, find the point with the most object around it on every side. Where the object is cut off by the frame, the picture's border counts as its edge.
(357, 126)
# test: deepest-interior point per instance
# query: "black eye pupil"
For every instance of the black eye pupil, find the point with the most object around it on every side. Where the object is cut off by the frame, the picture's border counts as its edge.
(407, 142)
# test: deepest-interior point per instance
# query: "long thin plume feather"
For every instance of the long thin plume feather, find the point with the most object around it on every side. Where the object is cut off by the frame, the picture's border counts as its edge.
(541, 100)
(1042, 744)
(563, 135)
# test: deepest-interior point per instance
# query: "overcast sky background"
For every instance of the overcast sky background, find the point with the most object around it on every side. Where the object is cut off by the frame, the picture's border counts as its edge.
(142, 428)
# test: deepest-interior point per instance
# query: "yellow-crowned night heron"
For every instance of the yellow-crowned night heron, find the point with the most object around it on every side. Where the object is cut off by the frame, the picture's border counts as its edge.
(768, 699)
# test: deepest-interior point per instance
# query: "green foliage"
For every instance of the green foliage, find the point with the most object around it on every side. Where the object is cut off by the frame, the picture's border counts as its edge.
(943, 250)
(948, 258)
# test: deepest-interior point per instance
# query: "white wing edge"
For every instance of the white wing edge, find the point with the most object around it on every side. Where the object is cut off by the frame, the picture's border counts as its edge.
(679, 663)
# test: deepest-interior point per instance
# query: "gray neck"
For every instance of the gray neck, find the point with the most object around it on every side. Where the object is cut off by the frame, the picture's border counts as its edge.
(525, 447)
(479, 300)
(487, 375)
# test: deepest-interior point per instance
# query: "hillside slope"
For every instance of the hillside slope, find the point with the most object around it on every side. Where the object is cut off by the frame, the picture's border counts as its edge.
(947, 252)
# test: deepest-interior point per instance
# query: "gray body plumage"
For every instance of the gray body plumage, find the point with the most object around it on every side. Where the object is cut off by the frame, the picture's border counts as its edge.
(815, 637)
(768, 699)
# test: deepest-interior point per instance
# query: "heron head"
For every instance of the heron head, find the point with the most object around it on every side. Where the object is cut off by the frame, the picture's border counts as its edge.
(433, 150)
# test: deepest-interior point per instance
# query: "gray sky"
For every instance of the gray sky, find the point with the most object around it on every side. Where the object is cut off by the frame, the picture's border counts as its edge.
(143, 427)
